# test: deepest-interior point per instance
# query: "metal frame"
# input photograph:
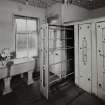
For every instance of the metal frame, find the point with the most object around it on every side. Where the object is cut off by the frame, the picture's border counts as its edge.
(53, 60)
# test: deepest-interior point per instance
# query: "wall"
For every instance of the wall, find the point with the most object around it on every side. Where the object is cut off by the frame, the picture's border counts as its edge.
(98, 12)
(68, 14)
(7, 10)
(74, 13)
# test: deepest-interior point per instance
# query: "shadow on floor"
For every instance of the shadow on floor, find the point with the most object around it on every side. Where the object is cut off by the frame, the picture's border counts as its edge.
(64, 94)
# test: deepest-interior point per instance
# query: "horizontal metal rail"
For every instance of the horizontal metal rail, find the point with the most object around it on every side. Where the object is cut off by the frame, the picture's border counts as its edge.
(67, 60)
(60, 78)
(61, 48)
(60, 38)
(60, 28)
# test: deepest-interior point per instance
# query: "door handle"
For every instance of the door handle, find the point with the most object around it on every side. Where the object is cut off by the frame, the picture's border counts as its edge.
(100, 85)
(81, 48)
(84, 50)
(99, 51)
(56, 53)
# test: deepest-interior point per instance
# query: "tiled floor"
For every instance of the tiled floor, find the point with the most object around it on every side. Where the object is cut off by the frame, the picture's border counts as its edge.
(64, 94)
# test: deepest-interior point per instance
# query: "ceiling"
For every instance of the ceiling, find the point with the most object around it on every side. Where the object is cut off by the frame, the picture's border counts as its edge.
(89, 4)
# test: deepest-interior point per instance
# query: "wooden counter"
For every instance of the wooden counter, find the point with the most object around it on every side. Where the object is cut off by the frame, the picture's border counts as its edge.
(20, 66)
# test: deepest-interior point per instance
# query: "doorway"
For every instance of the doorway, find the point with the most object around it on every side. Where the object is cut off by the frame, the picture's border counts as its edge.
(56, 57)
(69, 40)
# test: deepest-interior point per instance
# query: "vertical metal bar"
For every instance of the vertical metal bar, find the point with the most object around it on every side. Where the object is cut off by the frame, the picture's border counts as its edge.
(61, 53)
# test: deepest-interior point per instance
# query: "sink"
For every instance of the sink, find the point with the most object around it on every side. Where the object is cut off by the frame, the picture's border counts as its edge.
(22, 65)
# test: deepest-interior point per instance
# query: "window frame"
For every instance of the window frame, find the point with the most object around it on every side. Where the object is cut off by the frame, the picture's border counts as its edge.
(26, 18)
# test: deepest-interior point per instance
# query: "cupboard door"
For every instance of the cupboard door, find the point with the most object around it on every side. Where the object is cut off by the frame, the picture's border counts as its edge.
(101, 58)
(44, 60)
(85, 57)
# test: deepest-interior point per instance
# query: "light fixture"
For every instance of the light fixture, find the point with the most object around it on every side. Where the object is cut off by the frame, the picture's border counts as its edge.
(53, 19)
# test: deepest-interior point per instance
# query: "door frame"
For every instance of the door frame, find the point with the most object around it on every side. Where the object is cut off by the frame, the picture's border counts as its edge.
(44, 63)
(94, 50)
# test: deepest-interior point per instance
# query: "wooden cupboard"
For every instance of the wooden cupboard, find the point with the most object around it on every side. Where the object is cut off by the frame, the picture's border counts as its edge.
(90, 56)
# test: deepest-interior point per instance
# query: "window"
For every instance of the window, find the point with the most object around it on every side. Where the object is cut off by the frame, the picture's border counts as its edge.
(26, 37)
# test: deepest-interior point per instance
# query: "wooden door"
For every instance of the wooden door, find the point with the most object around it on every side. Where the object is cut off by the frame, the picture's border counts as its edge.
(44, 60)
(85, 57)
(101, 58)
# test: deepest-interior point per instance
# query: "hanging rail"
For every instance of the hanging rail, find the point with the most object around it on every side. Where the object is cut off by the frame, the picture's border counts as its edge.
(61, 78)
(60, 38)
(60, 62)
(59, 28)
(61, 48)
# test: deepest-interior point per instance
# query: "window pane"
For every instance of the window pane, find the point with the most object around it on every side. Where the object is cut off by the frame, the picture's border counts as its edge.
(51, 37)
(31, 25)
(32, 44)
(26, 37)
(21, 25)
(21, 45)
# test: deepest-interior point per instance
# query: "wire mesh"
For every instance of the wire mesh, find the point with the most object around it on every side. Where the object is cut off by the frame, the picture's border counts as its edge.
(58, 62)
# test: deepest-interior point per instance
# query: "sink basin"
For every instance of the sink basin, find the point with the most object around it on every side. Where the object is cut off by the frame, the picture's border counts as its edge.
(22, 66)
